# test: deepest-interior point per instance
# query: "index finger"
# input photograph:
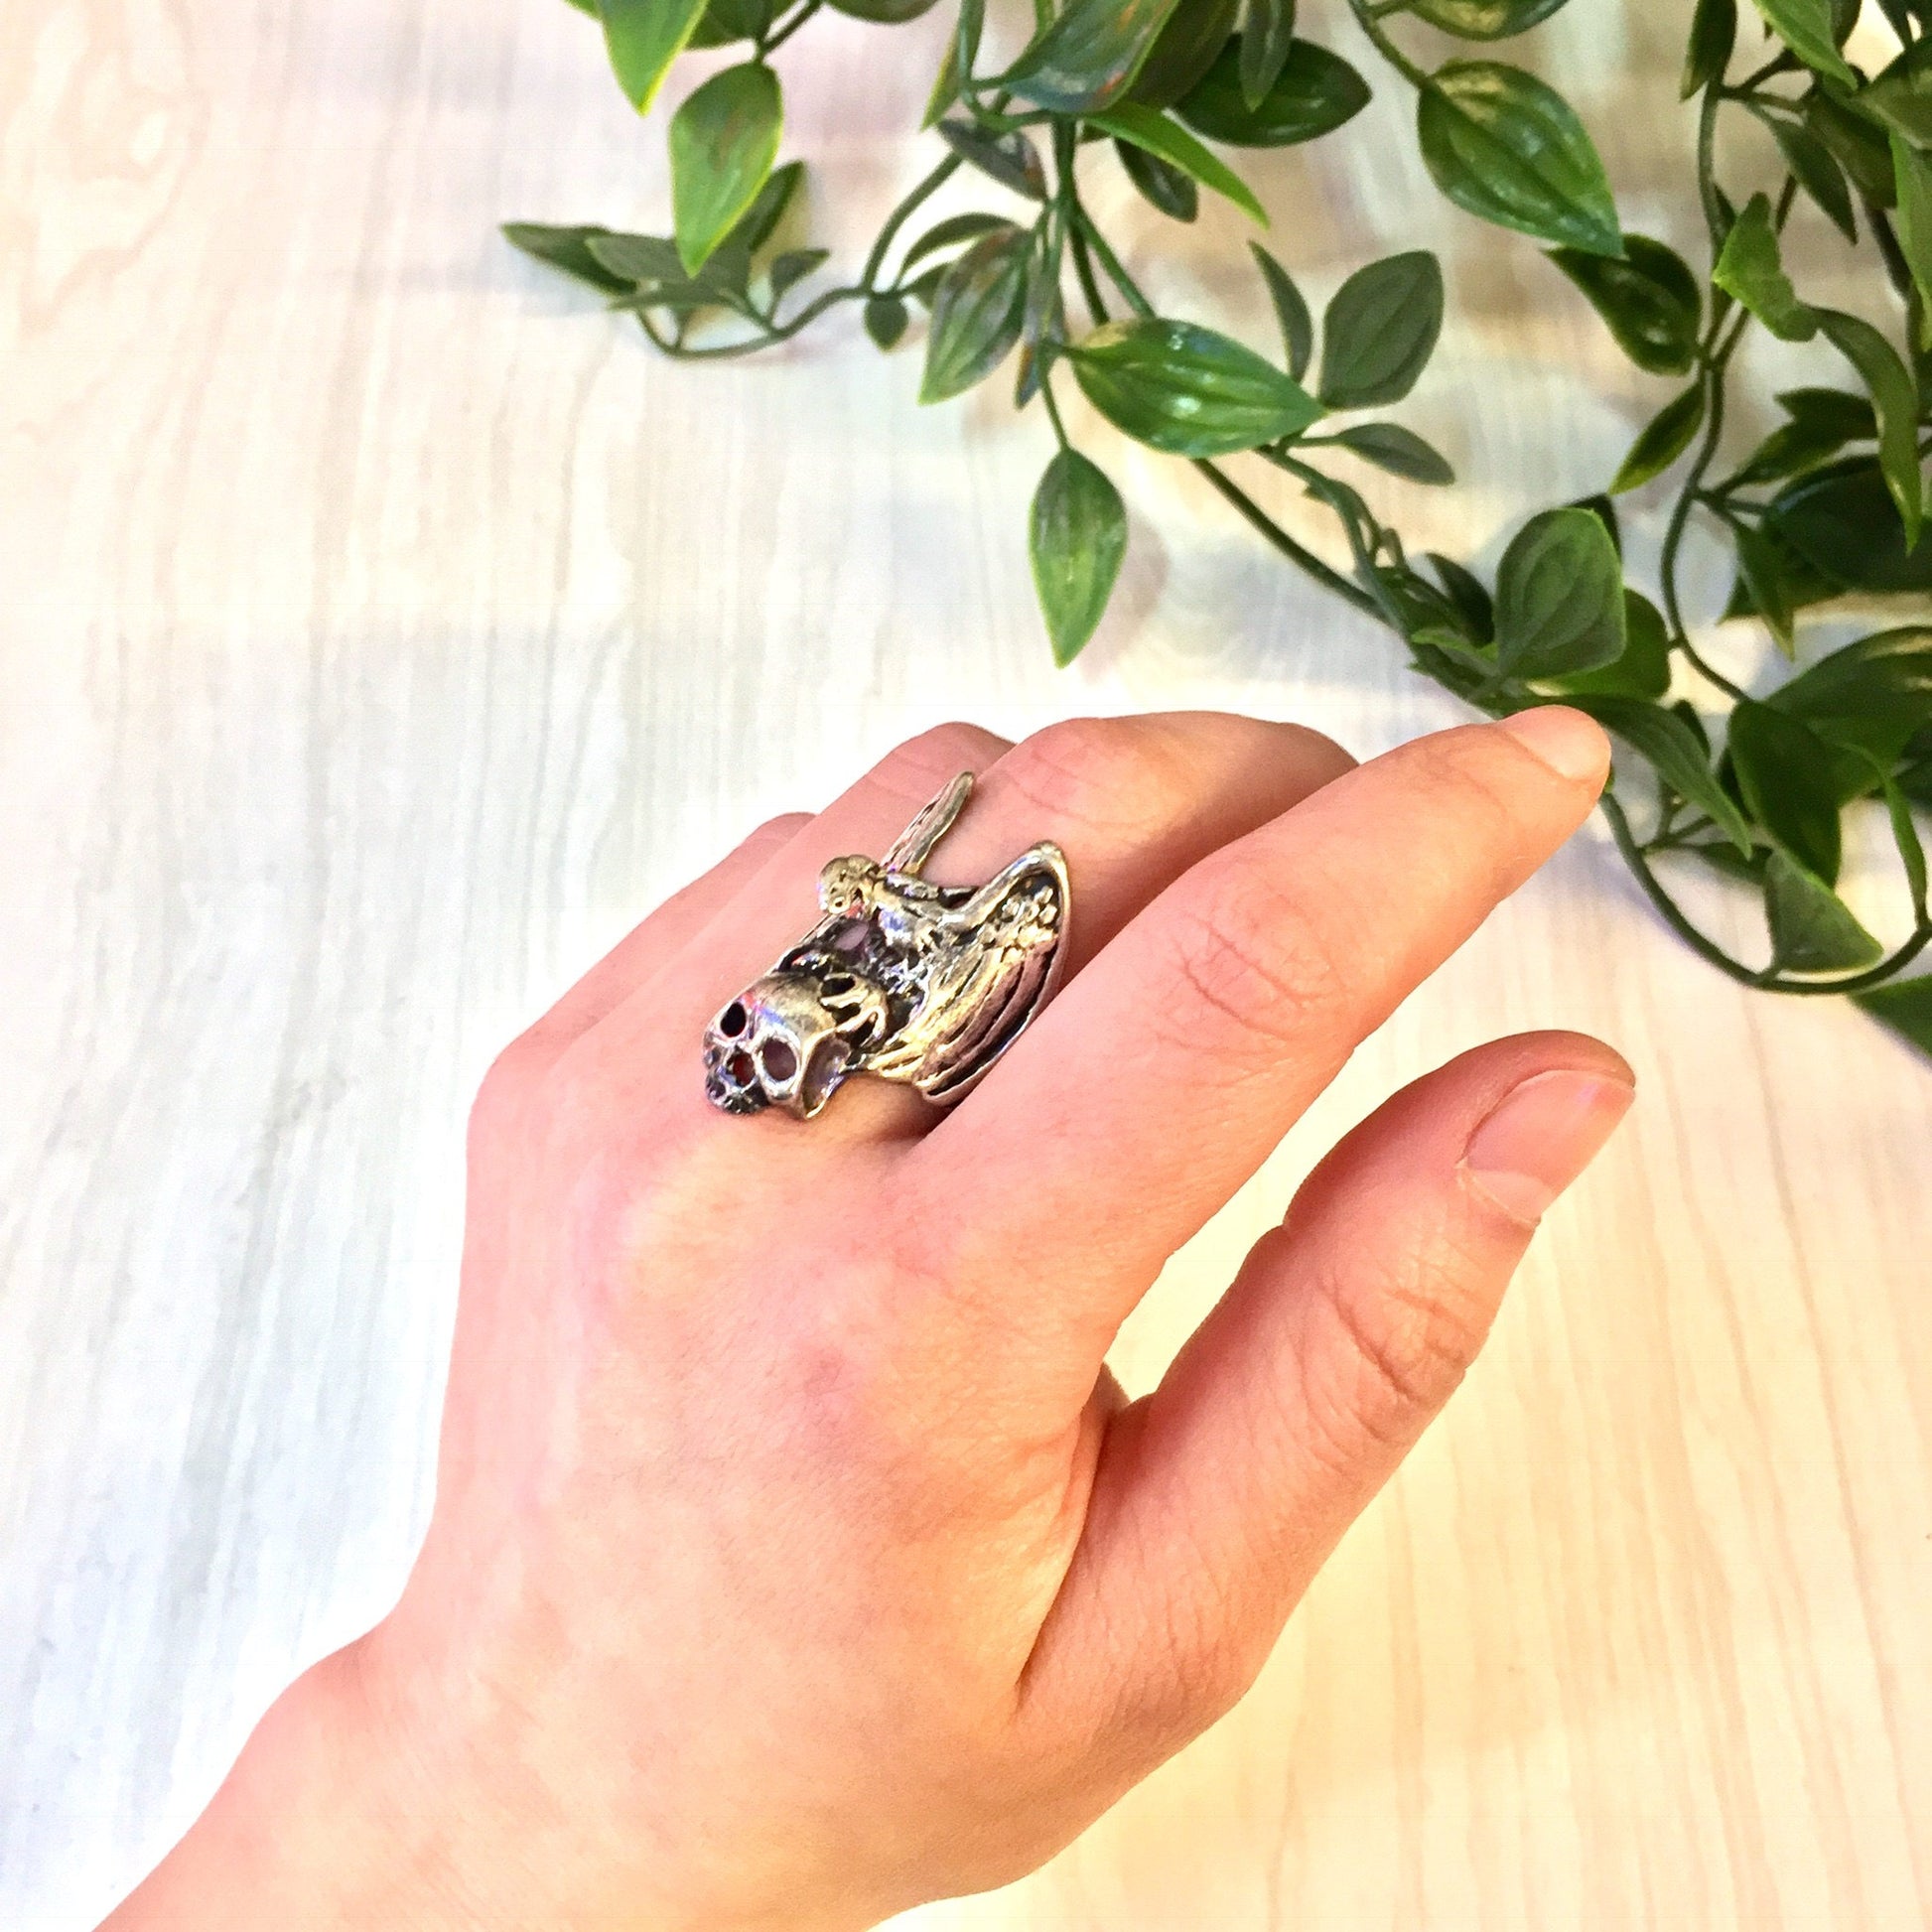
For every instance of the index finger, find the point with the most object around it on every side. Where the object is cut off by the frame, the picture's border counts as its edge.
(1168, 1070)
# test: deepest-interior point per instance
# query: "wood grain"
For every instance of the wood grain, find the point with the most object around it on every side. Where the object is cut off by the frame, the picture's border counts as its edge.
(384, 630)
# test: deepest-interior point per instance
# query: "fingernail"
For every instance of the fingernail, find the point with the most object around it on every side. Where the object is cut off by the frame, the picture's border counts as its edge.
(1542, 1135)
(1571, 744)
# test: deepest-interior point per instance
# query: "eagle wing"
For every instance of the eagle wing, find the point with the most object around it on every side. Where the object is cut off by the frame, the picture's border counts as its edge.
(991, 970)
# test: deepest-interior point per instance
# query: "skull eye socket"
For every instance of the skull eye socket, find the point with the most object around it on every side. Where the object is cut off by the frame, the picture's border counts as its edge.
(734, 1020)
(778, 1061)
(822, 1073)
(850, 937)
(834, 985)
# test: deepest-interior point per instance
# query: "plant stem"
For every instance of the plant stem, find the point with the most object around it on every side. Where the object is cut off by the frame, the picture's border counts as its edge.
(1259, 519)
(1672, 913)
(1117, 274)
(778, 36)
(921, 192)
(1766, 979)
(1090, 286)
(1368, 18)
(1706, 155)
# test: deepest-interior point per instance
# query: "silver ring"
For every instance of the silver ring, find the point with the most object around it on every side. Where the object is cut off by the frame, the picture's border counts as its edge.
(924, 984)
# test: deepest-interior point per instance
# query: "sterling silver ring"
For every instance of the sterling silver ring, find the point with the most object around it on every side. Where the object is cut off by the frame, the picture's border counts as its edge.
(913, 982)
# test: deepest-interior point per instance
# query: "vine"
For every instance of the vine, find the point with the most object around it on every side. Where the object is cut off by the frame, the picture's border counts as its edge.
(1830, 505)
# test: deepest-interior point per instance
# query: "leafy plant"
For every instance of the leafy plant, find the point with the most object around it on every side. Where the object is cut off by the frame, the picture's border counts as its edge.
(1829, 506)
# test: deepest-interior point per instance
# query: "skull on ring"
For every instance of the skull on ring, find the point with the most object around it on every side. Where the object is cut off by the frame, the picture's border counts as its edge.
(789, 1039)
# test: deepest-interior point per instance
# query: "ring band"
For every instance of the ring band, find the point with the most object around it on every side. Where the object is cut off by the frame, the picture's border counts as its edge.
(924, 984)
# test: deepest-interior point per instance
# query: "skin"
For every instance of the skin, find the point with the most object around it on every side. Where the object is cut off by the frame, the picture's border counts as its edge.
(795, 1557)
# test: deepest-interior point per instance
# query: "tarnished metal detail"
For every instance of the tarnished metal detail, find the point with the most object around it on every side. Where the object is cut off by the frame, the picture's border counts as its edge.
(918, 983)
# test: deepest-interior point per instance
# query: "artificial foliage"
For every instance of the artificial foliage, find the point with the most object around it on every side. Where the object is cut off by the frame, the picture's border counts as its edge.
(1825, 510)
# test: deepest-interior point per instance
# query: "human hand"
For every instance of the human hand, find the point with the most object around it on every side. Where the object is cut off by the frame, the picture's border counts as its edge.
(795, 1557)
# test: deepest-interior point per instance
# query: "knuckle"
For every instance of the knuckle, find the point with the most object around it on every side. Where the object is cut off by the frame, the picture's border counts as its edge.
(1460, 767)
(921, 766)
(1408, 1340)
(1191, 1680)
(778, 831)
(1123, 772)
(1254, 953)
(1324, 758)
(511, 1083)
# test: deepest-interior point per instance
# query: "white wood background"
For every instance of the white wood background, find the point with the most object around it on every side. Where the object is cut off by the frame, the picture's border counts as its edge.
(382, 629)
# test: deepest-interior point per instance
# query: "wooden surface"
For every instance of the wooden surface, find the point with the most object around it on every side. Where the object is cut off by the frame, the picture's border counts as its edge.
(382, 629)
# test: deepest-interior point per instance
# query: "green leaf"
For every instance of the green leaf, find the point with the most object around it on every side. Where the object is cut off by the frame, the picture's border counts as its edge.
(1559, 598)
(1010, 158)
(1901, 96)
(726, 21)
(1159, 182)
(1186, 390)
(1905, 1007)
(724, 140)
(948, 234)
(643, 38)
(1912, 177)
(1187, 46)
(1605, 510)
(1662, 439)
(1911, 854)
(1399, 451)
(1076, 538)
(637, 260)
(1751, 268)
(1643, 671)
(1841, 520)
(1800, 445)
(791, 268)
(1650, 300)
(1673, 749)
(1805, 27)
(884, 13)
(1872, 697)
(1291, 311)
(1087, 57)
(1380, 331)
(1145, 128)
(1465, 592)
(1840, 412)
(760, 221)
(1483, 20)
(1427, 612)
(1760, 563)
(885, 318)
(1859, 146)
(1315, 94)
(1785, 774)
(567, 249)
(1817, 172)
(925, 285)
(1042, 327)
(1506, 147)
(945, 86)
(1811, 928)
(1713, 32)
(1894, 396)
(978, 308)
(1887, 675)
(1266, 37)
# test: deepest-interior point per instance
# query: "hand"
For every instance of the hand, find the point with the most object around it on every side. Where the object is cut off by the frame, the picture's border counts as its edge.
(795, 1557)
